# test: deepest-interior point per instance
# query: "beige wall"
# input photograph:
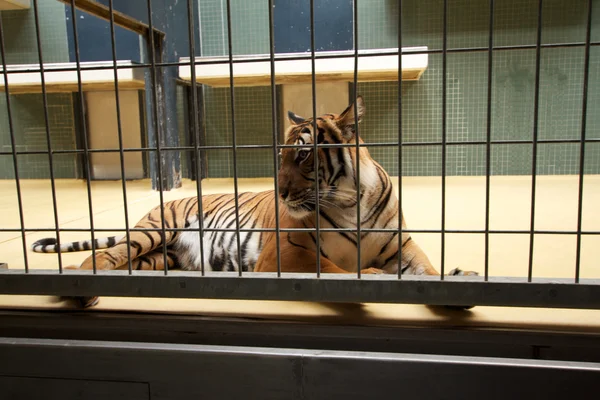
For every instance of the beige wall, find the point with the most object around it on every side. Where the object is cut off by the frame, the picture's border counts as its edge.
(332, 97)
(103, 134)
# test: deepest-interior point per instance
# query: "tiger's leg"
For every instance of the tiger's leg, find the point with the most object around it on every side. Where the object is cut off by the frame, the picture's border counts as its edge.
(298, 259)
(416, 262)
(153, 261)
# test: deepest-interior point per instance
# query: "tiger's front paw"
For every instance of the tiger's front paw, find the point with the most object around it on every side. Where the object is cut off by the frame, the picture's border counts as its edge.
(460, 272)
(371, 271)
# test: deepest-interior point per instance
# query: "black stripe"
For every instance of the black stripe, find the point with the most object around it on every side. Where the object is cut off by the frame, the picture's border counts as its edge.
(149, 236)
(137, 246)
(315, 242)
(395, 255)
(189, 210)
(110, 242)
(334, 225)
(111, 257)
(142, 260)
(381, 205)
(384, 248)
(328, 161)
(321, 135)
(75, 246)
(289, 238)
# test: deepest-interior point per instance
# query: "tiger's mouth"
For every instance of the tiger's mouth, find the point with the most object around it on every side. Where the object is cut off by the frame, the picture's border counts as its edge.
(300, 207)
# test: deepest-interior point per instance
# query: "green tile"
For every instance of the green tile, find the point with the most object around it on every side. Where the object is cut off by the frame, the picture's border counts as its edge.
(28, 110)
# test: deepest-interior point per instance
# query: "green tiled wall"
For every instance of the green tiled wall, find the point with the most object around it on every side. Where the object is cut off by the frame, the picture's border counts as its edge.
(27, 110)
(513, 86)
(249, 27)
(250, 35)
(253, 126)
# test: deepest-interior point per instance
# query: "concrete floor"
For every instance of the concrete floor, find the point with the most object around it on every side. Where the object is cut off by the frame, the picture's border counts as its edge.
(554, 255)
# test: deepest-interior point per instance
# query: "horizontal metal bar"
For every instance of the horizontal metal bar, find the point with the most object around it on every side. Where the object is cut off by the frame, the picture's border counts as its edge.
(292, 146)
(454, 291)
(417, 337)
(270, 373)
(101, 11)
(365, 230)
(212, 61)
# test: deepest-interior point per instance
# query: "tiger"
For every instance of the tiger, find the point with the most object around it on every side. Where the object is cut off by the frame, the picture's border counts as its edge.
(339, 195)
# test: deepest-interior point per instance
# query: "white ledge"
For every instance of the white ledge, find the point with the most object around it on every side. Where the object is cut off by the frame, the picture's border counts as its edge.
(14, 5)
(372, 67)
(27, 78)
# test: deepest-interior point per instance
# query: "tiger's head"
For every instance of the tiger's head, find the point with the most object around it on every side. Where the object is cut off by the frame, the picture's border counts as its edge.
(336, 165)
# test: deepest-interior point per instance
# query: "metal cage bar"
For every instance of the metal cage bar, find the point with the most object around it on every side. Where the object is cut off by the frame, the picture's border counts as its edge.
(444, 133)
(240, 261)
(113, 49)
(47, 126)
(198, 163)
(356, 142)
(315, 144)
(21, 70)
(584, 103)
(488, 146)
(293, 146)
(381, 230)
(400, 142)
(453, 291)
(13, 146)
(84, 135)
(274, 128)
(536, 110)
(155, 47)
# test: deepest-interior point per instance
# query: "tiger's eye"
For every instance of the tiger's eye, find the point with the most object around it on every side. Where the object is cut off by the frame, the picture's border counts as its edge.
(302, 154)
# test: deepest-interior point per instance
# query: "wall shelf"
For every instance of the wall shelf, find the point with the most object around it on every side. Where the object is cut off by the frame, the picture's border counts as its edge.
(372, 67)
(26, 78)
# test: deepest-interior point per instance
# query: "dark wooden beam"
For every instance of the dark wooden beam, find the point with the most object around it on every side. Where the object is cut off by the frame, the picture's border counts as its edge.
(123, 20)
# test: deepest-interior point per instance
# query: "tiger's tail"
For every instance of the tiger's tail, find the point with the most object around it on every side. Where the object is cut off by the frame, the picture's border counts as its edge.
(49, 245)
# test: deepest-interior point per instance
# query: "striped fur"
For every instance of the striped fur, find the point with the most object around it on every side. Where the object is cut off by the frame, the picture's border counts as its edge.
(338, 187)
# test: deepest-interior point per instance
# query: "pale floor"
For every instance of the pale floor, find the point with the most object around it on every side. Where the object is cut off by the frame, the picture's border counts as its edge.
(554, 255)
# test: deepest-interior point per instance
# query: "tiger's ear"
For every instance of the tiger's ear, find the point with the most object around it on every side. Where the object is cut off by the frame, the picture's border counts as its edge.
(295, 119)
(347, 120)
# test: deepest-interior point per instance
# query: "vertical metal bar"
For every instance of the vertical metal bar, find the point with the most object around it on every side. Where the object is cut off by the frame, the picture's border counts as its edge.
(234, 138)
(444, 102)
(86, 155)
(315, 138)
(586, 73)
(488, 147)
(400, 233)
(536, 102)
(196, 131)
(357, 140)
(120, 131)
(13, 145)
(274, 128)
(47, 123)
(158, 131)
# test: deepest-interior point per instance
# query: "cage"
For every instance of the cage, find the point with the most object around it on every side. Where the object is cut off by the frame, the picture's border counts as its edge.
(479, 118)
